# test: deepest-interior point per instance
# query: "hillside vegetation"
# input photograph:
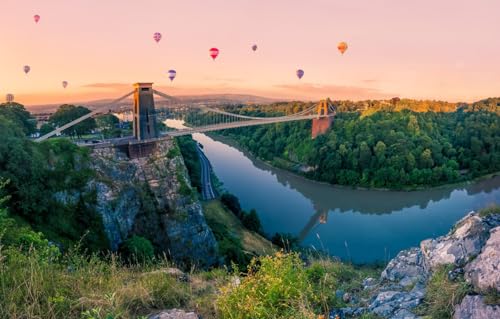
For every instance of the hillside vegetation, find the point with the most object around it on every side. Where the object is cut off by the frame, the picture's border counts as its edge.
(406, 144)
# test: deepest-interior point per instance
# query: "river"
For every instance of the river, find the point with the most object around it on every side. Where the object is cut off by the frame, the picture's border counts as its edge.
(362, 226)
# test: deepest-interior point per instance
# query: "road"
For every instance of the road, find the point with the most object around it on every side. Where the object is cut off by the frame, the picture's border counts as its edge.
(207, 190)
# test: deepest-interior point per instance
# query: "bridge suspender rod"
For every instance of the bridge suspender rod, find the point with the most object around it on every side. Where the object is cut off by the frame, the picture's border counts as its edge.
(81, 119)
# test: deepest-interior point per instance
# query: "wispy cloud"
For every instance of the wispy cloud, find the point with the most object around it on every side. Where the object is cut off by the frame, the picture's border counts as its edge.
(318, 91)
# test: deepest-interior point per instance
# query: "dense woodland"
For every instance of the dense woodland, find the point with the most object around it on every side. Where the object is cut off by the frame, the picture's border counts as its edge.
(391, 144)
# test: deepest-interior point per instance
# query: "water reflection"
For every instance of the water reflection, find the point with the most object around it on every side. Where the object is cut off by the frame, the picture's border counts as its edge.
(359, 225)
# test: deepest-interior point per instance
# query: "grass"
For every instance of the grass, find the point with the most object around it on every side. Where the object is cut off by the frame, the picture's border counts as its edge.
(491, 210)
(443, 294)
(252, 243)
(78, 286)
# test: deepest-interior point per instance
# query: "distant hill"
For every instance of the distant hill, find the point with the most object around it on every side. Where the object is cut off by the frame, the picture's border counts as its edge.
(208, 98)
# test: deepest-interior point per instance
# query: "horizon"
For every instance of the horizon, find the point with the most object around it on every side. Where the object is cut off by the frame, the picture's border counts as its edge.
(444, 51)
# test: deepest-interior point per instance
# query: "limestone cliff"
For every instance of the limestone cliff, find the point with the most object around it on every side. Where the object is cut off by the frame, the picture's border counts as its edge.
(152, 197)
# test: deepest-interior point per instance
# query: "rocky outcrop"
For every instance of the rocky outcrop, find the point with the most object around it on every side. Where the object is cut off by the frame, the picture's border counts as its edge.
(473, 307)
(459, 246)
(473, 244)
(152, 197)
(484, 271)
(174, 314)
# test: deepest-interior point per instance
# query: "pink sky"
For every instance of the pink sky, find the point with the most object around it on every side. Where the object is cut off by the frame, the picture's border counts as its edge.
(439, 49)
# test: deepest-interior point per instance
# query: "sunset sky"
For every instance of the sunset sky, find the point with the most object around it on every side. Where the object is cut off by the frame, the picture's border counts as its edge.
(427, 49)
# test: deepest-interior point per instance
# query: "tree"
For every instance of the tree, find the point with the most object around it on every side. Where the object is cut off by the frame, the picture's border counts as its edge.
(16, 113)
(108, 125)
(67, 113)
(252, 222)
(232, 203)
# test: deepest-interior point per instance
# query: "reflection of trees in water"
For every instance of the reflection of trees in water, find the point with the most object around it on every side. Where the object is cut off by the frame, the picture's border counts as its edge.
(328, 197)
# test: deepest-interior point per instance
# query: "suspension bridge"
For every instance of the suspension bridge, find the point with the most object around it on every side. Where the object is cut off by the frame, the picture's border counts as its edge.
(206, 118)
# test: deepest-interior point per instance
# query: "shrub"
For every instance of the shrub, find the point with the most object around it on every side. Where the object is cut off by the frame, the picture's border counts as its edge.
(286, 241)
(138, 249)
(491, 210)
(232, 203)
(252, 222)
(275, 287)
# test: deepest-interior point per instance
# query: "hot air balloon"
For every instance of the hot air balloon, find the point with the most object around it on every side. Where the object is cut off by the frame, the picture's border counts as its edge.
(36, 17)
(157, 37)
(9, 98)
(342, 46)
(214, 52)
(300, 73)
(172, 74)
(254, 47)
(26, 69)
(64, 84)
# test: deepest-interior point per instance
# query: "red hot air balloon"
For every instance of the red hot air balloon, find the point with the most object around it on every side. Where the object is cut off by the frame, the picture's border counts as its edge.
(172, 74)
(157, 37)
(342, 46)
(300, 73)
(254, 47)
(214, 52)
(26, 69)
(64, 84)
(36, 17)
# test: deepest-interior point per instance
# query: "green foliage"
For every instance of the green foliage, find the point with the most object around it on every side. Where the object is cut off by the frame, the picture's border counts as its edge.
(230, 246)
(232, 203)
(17, 114)
(491, 210)
(286, 241)
(108, 125)
(48, 187)
(442, 294)
(188, 148)
(252, 222)
(137, 249)
(384, 149)
(275, 287)
(67, 113)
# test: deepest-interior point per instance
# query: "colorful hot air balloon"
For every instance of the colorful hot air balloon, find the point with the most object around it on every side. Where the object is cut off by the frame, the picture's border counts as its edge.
(64, 84)
(9, 98)
(214, 52)
(26, 69)
(300, 73)
(342, 46)
(36, 17)
(172, 74)
(254, 47)
(157, 37)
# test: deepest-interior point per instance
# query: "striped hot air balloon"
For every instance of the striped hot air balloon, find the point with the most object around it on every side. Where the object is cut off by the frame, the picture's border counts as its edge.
(172, 74)
(214, 52)
(157, 37)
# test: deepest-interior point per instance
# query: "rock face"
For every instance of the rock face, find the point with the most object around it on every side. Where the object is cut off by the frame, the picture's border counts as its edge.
(473, 307)
(484, 271)
(402, 283)
(152, 197)
(459, 246)
(174, 314)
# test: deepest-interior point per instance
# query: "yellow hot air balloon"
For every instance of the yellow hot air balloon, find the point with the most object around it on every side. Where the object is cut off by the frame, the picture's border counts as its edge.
(342, 46)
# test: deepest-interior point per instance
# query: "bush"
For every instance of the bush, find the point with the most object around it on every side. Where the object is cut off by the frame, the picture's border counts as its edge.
(490, 210)
(286, 241)
(233, 204)
(252, 222)
(275, 287)
(137, 249)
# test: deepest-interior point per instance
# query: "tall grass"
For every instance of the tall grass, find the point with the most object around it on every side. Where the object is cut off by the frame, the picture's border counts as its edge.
(77, 286)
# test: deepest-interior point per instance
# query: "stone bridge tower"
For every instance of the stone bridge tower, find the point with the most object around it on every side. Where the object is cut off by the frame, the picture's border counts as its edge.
(321, 125)
(144, 112)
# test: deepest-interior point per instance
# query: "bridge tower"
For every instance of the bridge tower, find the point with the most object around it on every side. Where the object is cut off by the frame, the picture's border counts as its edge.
(322, 124)
(144, 112)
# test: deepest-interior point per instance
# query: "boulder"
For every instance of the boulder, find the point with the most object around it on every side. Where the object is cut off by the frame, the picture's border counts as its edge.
(473, 307)
(459, 246)
(174, 314)
(484, 271)
(397, 304)
(406, 268)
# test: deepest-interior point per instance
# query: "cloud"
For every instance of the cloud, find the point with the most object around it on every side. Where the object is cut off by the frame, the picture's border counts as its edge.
(337, 92)
(108, 86)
